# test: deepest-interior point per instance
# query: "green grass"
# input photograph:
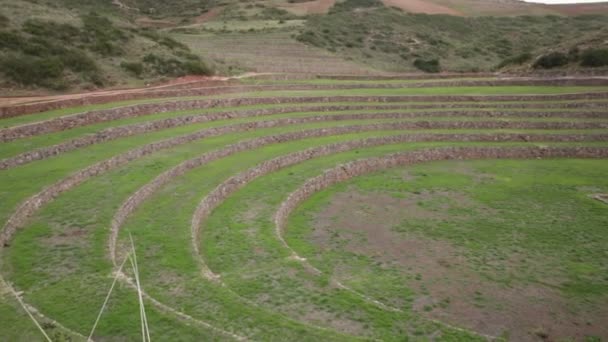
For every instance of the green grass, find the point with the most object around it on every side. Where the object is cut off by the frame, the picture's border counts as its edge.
(339, 81)
(512, 90)
(53, 277)
(536, 211)
(60, 259)
(15, 147)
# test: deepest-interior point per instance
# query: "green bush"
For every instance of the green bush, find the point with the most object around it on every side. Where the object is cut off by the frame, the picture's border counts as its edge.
(29, 70)
(174, 67)
(50, 29)
(78, 61)
(551, 60)
(10, 40)
(427, 65)
(133, 67)
(272, 13)
(309, 37)
(100, 35)
(594, 58)
(516, 60)
(196, 68)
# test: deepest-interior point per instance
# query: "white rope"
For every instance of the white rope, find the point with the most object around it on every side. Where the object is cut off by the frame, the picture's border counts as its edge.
(105, 302)
(29, 314)
(145, 332)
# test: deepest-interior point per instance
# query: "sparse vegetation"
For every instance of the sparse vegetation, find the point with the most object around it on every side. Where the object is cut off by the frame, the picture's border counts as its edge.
(385, 37)
(60, 55)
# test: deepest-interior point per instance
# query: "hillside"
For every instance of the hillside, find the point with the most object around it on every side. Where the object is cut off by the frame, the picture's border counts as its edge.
(388, 39)
(60, 48)
(71, 45)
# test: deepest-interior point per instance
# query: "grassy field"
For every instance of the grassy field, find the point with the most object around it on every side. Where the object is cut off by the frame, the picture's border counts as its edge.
(507, 231)
(513, 226)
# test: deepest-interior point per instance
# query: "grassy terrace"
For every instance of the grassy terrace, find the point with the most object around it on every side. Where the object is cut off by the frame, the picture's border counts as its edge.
(60, 258)
(16, 147)
(506, 90)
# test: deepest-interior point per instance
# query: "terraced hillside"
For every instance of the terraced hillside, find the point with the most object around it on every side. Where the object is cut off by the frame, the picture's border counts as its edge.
(455, 209)
(271, 52)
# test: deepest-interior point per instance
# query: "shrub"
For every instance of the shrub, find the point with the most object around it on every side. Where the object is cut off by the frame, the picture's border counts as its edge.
(196, 68)
(515, 60)
(594, 58)
(10, 40)
(427, 65)
(272, 13)
(101, 36)
(78, 61)
(174, 67)
(28, 70)
(50, 29)
(133, 67)
(551, 60)
(309, 37)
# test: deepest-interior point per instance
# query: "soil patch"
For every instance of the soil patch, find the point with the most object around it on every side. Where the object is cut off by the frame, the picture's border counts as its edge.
(209, 15)
(447, 287)
(421, 6)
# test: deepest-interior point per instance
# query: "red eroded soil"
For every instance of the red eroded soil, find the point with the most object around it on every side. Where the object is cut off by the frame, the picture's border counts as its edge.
(421, 6)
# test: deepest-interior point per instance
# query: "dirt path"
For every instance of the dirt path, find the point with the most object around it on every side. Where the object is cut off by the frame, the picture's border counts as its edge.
(181, 81)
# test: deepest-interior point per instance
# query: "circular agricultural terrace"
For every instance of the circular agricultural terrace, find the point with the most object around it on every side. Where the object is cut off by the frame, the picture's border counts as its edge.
(458, 208)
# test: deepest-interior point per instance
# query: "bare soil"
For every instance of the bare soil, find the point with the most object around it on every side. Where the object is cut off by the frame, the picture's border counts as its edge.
(447, 287)
(422, 6)
(208, 16)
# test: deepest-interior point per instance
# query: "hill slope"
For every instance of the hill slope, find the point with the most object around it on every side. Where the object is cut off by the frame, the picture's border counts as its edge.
(389, 39)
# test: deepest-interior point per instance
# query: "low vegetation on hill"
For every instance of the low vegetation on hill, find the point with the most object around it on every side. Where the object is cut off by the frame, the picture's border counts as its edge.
(84, 44)
(387, 38)
(89, 50)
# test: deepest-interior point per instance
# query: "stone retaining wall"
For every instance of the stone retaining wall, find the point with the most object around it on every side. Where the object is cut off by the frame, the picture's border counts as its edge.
(142, 128)
(31, 205)
(346, 171)
(98, 116)
(147, 190)
(234, 183)
(24, 109)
